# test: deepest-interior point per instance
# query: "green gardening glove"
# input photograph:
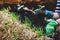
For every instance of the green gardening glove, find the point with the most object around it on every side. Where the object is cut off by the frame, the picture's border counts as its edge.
(50, 27)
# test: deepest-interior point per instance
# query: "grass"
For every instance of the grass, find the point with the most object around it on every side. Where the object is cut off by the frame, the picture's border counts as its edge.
(14, 30)
(41, 7)
(27, 22)
(39, 32)
(14, 16)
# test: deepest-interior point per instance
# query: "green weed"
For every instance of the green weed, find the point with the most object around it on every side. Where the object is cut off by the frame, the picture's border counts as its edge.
(27, 22)
(39, 32)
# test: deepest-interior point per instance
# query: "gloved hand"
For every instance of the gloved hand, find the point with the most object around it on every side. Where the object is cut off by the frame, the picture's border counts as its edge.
(49, 14)
(51, 27)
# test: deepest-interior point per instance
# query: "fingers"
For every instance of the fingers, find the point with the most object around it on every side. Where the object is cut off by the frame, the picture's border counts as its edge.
(56, 16)
(58, 20)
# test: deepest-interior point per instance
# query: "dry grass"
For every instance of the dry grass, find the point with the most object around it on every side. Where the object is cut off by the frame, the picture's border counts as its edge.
(12, 29)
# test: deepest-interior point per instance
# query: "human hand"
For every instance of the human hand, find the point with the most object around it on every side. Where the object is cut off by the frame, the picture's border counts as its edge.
(58, 20)
(56, 16)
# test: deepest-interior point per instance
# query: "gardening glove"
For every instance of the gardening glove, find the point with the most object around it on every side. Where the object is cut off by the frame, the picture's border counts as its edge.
(49, 14)
(50, 27)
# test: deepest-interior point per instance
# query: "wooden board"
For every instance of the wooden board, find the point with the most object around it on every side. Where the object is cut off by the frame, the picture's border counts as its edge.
(9, 1)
